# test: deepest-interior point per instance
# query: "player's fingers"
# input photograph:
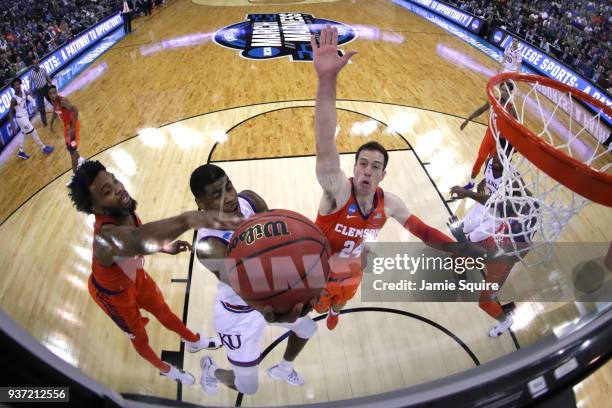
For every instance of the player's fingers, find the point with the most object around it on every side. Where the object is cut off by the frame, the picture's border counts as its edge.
(268, 314)
(295, 313)
(334, 36)
(323, 37)
(313, 43)
(347, 57)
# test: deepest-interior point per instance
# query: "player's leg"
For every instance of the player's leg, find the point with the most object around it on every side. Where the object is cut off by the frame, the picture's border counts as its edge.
(27, 129)
(72, 146)
(21, 153)
(301, 331)
(496, 272)
(126, 315)
(150, 298)
(487, 147)
(242, 337)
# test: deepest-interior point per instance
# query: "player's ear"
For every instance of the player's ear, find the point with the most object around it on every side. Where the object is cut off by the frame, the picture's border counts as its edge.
(199, 204)
(384, 173)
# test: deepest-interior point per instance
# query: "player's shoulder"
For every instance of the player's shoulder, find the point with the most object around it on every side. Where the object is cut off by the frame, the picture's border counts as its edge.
(255, 200)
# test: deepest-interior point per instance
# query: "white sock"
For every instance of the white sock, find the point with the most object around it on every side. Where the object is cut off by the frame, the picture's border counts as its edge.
(286, 365)
(472, 180)
(333, 311)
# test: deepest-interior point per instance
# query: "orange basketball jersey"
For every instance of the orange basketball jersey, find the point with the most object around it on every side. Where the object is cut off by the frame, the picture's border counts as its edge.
(65, 114)
(348, 228)
(121, 275)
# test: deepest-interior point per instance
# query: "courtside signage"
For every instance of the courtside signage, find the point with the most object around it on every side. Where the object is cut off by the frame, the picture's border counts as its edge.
(267, 36)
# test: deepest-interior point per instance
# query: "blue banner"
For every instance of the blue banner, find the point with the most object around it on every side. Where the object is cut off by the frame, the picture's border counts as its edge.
(60, 57)
(548, 66)
(460, 17)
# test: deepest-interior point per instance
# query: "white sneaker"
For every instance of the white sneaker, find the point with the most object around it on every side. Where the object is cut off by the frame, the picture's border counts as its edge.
(80, 161)
(208, 343)
(208, 381)
(501, 327)
(182, 376)
(291, 377)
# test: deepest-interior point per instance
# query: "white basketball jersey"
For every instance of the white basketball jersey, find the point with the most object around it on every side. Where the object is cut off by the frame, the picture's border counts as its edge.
(225, 293)
(21, 108)
(512, 60)
(491, 182)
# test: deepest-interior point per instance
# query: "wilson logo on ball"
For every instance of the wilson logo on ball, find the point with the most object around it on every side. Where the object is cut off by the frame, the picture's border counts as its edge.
(258, 231)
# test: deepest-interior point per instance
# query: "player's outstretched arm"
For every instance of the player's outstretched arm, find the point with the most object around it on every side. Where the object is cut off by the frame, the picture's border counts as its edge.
(327, 65)
(475, 114)
(397, 209)
(125, 241)
(459, 193)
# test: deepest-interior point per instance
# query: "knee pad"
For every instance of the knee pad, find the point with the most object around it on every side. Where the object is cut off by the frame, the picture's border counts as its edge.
(246, 379)
(305, 328)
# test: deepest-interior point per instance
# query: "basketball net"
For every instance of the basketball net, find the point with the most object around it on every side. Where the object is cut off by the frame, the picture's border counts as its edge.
(554, 151)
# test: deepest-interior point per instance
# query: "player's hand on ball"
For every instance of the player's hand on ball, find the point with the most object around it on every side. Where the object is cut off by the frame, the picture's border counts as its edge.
(326, 60)
(458, 192)
(299, 310)
(176, 247)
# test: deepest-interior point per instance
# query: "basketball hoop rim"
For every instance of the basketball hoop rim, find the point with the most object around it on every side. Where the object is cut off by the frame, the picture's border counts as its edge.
(574, 174)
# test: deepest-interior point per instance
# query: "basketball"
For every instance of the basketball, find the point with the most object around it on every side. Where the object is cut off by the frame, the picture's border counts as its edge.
(278, 258)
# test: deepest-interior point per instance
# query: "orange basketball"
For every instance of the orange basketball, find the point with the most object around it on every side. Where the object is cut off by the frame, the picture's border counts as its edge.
(278, 258)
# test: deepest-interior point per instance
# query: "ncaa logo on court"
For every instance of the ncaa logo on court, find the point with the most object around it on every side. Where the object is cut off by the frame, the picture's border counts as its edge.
(267, 36)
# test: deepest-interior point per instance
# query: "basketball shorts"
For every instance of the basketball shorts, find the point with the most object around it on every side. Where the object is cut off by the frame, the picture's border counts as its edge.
(342, 284)
(24, 124)
(241, 330)
(479, 225)
(71, 145)
(124, 307)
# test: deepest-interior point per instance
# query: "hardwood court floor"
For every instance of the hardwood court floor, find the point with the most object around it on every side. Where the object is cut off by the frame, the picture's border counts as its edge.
(46, 246)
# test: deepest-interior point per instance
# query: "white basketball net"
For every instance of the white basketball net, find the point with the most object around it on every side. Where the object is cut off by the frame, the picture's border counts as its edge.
(530, 208)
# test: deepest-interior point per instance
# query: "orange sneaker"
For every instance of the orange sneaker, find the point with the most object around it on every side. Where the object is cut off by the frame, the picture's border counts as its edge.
(332, 319)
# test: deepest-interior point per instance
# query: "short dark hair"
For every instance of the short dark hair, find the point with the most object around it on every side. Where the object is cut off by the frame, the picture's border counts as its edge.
(78, 189)
(52, 87)
(373, 145)
(14, 81)
(204, 176)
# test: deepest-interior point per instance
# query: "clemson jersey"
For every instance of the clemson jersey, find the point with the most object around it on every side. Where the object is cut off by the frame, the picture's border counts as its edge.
(65, 114)
(348, 228)
(122, 274)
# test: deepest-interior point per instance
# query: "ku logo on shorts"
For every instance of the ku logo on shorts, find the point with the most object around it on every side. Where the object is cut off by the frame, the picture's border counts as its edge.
(231, 341)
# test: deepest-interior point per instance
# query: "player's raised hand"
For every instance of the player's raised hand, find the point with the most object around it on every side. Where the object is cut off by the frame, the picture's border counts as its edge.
(299, 310)
(327, 62)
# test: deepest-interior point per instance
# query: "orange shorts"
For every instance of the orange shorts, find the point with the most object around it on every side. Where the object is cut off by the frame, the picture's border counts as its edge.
(69, 144)
(124, 307)
(342, 284)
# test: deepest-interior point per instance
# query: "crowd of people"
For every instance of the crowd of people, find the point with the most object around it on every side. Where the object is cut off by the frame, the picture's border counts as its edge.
(577, 32)
(31, 29)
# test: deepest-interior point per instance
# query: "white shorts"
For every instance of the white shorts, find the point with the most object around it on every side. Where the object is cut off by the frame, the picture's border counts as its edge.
(24, 124)
(242, 332)
(479, 225)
